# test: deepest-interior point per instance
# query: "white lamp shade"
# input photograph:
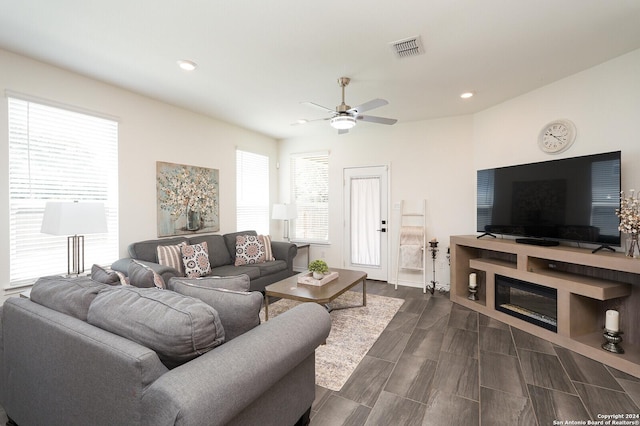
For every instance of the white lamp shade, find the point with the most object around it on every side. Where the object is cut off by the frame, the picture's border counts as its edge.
(284, 211)
(292, 211)
(72, 218)
(279, 212)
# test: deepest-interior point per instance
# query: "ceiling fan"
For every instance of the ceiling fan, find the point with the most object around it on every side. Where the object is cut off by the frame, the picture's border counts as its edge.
(344, 117)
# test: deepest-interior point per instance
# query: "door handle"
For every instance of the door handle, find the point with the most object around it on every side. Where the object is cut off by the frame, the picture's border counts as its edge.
(382, 230)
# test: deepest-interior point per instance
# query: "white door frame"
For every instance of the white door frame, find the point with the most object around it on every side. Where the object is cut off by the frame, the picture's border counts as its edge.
(379, 272)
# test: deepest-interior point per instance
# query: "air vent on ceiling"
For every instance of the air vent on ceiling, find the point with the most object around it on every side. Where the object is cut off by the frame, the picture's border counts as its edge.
(411, 46)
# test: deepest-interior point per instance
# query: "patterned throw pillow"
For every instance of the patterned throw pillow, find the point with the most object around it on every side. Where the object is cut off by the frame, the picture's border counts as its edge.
(171, 256)
(196, 260)
(249, 250)
(268, 252)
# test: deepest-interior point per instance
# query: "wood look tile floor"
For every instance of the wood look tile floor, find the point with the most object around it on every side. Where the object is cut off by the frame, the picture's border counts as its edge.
(438, 363)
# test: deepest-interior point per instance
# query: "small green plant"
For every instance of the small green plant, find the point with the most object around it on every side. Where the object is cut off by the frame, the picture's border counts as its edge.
(319, 266)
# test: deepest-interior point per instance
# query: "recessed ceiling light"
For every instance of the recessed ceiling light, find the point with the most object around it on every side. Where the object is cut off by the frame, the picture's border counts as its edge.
(466, 95)
(302, 121)
(187, 65)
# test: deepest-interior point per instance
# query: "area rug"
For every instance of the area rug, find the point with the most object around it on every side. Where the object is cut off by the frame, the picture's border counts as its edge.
(353, 332)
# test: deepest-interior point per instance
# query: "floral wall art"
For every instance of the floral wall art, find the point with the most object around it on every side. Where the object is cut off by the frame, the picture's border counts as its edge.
(187, 199)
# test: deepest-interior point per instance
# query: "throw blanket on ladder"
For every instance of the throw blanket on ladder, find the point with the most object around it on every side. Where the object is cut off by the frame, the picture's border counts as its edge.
(411, 247)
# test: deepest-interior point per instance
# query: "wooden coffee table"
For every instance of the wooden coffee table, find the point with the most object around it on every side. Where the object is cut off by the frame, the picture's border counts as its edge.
(290, 289)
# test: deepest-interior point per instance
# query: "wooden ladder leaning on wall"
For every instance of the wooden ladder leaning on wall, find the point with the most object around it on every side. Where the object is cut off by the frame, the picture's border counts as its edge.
(412, 243)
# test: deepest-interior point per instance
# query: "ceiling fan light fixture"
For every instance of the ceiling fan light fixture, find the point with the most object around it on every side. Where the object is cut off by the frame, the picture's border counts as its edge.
(342, 122)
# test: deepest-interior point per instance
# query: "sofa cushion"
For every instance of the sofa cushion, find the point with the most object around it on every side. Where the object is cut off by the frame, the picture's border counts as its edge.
(239, 311)
(171, 256)
(235, 283)
(196, 260)
(146, 250)
(229, 270)
(71, 296)
(268, 268)
(249, 250)
(141, 275)
(179, 328)
(104, 276)
(218, 253)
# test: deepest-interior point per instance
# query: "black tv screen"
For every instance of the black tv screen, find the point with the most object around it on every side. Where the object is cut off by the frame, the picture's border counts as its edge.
(571, 199)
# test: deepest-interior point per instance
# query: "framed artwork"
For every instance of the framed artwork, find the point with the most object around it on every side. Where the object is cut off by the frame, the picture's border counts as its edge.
(187, 199)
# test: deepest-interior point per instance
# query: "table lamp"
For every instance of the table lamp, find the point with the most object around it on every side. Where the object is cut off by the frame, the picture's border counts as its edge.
(74, 219)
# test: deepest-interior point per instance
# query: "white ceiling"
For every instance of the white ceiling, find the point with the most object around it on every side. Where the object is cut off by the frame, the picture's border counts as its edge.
(259, 59)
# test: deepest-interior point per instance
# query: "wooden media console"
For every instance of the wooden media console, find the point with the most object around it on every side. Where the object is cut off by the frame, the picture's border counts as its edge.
(587, 284)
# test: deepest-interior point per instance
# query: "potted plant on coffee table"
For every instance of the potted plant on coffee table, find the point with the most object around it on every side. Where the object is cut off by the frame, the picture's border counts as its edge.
(318, 268)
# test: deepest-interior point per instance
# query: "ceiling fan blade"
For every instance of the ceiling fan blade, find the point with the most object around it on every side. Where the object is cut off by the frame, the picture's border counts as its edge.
(374, 103)
(319, 106)
(379, 120)
(305, 121)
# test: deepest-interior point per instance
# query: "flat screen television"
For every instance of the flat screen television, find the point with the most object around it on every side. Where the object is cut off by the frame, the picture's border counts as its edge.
(571, 199)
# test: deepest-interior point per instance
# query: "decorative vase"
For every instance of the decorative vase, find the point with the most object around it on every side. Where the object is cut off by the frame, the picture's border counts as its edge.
(318, 275)
(632, 249)
(193, 220)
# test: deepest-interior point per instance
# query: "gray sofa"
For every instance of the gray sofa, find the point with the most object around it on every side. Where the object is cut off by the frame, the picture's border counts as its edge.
(57, 369)
(222, 256)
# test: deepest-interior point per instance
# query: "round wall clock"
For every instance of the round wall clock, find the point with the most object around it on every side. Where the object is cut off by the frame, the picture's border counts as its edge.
(557, 136)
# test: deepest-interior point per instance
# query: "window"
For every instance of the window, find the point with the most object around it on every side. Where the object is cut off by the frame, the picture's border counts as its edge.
(310, 193)
(58, 155)
(252, 192)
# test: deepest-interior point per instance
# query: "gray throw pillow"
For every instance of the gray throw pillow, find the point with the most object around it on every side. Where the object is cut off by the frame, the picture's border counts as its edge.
(239, 311)
(71, 296)
(103, 276)
(178, 328)
(235, 283)
(141, 275)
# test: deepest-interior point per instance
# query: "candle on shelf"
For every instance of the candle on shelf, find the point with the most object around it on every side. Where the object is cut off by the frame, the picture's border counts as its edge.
(612, 320)
(472, 280)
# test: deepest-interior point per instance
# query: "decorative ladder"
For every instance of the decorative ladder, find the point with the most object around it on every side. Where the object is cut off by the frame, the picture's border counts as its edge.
(413, 220)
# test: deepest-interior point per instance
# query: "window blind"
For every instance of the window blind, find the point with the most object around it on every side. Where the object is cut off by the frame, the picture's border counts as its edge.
(310, 193)
(58, 155)
(252, 192)
(484, 198)
(605, 198)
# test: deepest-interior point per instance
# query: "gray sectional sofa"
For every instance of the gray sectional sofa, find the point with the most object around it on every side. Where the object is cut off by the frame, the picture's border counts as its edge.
(57, 367)
(222, 256)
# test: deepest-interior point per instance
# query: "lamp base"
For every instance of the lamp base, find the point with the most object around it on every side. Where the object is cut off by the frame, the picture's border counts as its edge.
(75, 255)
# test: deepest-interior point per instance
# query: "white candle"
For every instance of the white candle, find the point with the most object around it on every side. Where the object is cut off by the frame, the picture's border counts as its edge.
(472, 280)
(612, 321)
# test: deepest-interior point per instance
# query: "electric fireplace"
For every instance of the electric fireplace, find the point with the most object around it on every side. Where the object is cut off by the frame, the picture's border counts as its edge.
(529, 302)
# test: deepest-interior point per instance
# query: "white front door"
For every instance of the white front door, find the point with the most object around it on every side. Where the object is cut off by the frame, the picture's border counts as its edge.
(365, 219)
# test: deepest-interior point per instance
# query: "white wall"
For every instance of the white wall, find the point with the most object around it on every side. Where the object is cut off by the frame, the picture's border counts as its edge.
(437, 159)
(149, 131)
